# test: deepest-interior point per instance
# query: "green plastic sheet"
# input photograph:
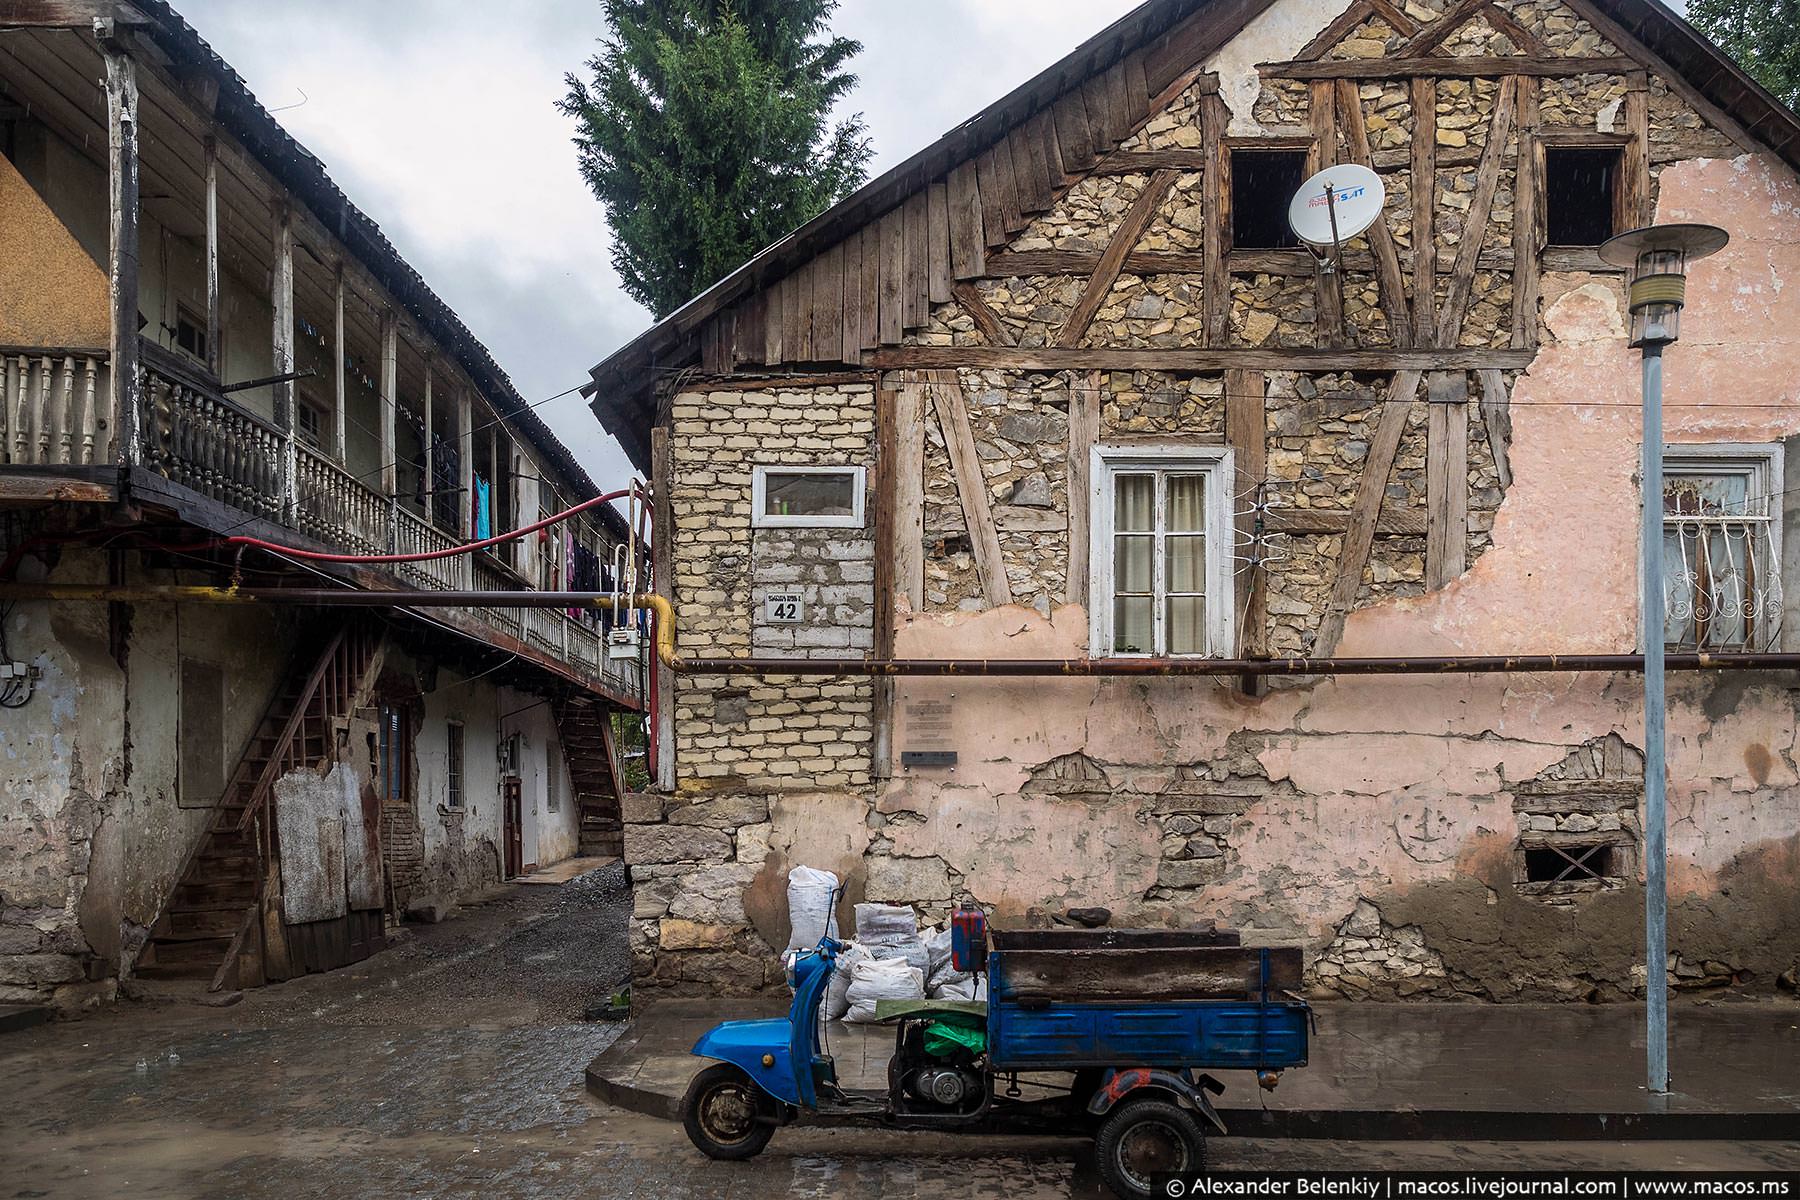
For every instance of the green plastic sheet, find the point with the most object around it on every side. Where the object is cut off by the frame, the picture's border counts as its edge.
(951, 1032)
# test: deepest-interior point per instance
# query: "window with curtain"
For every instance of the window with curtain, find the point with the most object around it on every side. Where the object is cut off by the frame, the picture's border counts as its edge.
(1161, 567)
(1721, 548)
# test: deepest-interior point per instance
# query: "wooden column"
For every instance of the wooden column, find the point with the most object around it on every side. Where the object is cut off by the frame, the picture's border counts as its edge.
(1446, 477)
(390, 402)
(1084, 432)
(122, 259)
(282, 359)
(1527, 220)
(909, 491)
(1328, 312)
(1215, 187)
(881, 498)
(339, 384)
(662, 531)
(1424, 209)
(215, 301)
(465, 461)
(1634, 190)
(1245, 430)
(430, 488)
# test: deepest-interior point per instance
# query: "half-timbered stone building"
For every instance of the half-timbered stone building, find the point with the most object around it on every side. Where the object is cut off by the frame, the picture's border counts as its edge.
(1063, 386)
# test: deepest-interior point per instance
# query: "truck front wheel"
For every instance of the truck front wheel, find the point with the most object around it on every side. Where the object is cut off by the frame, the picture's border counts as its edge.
(1143, 1138)
(726, 1115)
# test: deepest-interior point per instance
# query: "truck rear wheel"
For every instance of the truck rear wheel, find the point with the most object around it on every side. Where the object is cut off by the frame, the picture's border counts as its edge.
(1147, 1137)
(726, 1115)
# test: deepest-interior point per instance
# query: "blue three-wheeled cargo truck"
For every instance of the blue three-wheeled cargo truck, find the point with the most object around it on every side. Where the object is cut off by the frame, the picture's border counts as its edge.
(1092, 1031)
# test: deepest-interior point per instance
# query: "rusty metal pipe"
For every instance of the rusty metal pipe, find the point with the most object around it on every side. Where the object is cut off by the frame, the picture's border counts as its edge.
(998, 667)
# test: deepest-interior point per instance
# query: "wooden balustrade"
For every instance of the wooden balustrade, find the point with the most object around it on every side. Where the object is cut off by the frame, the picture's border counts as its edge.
(199, 439)
(53, 407)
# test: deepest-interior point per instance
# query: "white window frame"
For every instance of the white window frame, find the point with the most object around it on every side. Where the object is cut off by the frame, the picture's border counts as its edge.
(759, 497)
(1216, 464)
(1762, 462)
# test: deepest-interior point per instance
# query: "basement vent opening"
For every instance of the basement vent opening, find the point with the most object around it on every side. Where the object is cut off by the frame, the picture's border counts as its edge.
(1580, 194)
(1261, 183)
(1569, 863)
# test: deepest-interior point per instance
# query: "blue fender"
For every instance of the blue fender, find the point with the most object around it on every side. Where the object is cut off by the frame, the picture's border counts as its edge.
(1119, 1084)
(781, 1055)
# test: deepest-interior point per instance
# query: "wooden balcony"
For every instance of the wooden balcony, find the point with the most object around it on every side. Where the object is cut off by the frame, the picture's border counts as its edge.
(222, 468)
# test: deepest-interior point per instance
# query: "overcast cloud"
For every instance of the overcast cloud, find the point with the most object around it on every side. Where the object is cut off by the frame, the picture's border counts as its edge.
(437, 118)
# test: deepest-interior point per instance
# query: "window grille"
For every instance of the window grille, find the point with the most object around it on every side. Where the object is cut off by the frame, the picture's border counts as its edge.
(453, 770)
(1721, 550)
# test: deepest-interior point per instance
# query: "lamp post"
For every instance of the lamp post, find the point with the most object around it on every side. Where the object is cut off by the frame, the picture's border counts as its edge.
(1657, 257)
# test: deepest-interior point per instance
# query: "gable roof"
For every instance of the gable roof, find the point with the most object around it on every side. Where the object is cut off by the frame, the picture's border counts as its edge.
(301, 173)
(1172, 35)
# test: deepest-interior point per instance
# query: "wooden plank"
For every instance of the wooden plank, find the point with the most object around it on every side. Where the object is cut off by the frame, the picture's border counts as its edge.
(909, 492)
(1084, 433)
(986, 320)
(1468, 251)
(1118, 103)
(1246, 424)
(968, 250)
(1391, 282)
(1051, 358)
(1328, 307)
(937, 242)
(1137, 88)
(1215, 285)
(1142, 162)
(971, 485)
(1335, 32)
(828, 305)
(1434, 35)
(892, 329)
(1030, 175)
(1527, 226)
(1130, 229)
(1072, 133)
(1012, 200)
(1424, 209)
(993, 217)
(747, 345)
(1098, 101)
(1038, 148)
(796, 315)
(1634, 178)
(1159, 973)
(850, 339)
(871, 286)
(915, 252)
(775, 323)
(1192, 41)
(1060, 178)
(1353, 555)
(1496, 420)
(1449, 68)
(1447, 478)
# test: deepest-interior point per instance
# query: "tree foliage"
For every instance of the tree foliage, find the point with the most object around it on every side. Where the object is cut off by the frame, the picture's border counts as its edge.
(705, 131)
(1763, 35)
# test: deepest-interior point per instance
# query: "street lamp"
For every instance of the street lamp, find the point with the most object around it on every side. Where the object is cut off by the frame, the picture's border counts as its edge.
(1657, 257)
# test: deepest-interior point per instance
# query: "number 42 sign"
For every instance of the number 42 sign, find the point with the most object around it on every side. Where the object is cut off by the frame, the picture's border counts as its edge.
(784, 608)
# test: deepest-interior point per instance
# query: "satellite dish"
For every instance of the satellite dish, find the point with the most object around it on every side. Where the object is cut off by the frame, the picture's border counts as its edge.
(1355, 194)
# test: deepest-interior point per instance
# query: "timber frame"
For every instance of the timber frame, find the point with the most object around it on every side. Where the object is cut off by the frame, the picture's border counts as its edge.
(858, 287)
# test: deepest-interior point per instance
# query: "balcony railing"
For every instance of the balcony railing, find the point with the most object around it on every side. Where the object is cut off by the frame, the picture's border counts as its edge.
(194, 436)
(54, 407)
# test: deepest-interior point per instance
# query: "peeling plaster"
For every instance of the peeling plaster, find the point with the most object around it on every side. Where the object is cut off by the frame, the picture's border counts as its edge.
(1276, 35)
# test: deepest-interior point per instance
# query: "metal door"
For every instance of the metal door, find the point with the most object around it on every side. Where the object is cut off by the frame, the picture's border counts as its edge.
(514, 831)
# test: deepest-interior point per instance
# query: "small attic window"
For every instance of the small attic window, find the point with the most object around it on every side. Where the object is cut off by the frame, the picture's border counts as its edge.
(1580, 194)
(1262, 183)
(798, 497)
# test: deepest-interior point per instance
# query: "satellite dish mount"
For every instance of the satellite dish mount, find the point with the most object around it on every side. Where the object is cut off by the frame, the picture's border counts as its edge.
(1329, 209)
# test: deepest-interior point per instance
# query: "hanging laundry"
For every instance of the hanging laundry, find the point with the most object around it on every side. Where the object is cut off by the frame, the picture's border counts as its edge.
(483, 527)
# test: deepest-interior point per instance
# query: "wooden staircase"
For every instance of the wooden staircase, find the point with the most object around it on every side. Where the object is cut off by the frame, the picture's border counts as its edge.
(216, 900)
(584, 726)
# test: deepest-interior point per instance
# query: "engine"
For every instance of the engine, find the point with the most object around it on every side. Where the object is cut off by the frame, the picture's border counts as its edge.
(943, 1085)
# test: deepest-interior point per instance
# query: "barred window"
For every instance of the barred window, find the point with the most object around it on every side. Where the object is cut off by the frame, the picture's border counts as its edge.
(1721, 548)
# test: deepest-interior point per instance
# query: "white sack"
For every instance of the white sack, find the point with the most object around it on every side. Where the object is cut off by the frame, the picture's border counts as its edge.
(885, 923)
(912, 950)
(881, 979)
(837, 998)
(810, 913)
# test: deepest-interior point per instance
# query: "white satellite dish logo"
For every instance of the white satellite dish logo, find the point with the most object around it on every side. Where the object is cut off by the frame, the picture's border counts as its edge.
(1336, 204)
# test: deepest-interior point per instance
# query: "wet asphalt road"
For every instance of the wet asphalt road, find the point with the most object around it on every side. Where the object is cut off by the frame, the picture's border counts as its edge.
(451, 1067)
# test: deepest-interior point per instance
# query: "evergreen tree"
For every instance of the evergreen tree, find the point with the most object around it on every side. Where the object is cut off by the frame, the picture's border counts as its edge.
(1763, 35)
(705, 132)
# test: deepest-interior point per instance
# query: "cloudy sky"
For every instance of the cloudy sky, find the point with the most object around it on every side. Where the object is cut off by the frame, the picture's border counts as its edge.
(437, 117)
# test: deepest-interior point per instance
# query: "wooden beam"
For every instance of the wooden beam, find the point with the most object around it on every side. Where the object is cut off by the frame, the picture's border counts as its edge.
(1496, 419)
(766, 381)
(1424, 209)
(908, 548)
(1391, 282)
(1050, 358)
(882, 500)
(1397, 20)
(1246, 431)
(426, 450)
(1370, 491)
(1142, 162)
(215, 304)
(971, 485)
(1335, 32)
(1447, 478)
(968, 249)
(1011, 264)
(1468, 250)
(1634, 180)
(390, 402)
(340, 392)
(1215, 284)
(122, 251)
(1517, 33)
(1527, 227)
(67, 14)
(1403, 522)
(1084, 433)
(1126, 236)
(1435, 34)
(465, 467)
(986, 320)
(1450, 68)
(281, 305)
(1328, 309)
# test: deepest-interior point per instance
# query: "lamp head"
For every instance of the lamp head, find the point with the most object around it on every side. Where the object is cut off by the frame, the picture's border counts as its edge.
(1657, 257)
